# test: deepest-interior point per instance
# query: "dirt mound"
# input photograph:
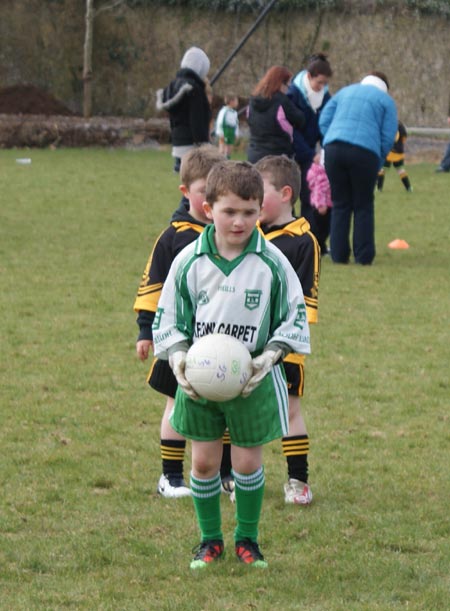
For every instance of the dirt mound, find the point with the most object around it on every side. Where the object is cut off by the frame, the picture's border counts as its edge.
(29, 100)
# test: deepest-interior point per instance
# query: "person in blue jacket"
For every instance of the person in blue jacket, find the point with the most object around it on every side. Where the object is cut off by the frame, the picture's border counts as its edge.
(309, 92)
(358, 125)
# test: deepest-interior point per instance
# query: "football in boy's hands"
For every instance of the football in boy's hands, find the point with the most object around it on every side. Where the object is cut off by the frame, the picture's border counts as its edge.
(218, 366)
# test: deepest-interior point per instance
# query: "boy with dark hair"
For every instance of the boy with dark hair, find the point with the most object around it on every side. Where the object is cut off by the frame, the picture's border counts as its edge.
(231, 277)
(187, 223)
(281, 177)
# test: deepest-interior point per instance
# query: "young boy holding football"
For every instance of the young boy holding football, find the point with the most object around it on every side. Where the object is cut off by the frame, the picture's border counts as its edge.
(187, 223)
(231, 275)
(293, 237)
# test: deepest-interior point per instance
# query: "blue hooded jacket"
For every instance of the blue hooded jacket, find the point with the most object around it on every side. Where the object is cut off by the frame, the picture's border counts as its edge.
(305, 139)
(361, 115)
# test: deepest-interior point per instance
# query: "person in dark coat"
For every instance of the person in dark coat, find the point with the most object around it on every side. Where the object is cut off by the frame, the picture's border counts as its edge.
(272, 116)
(444, 166)
(186, 101)
(309, 92)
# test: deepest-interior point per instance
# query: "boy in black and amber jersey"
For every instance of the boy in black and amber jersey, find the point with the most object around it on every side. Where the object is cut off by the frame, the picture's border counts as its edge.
(396, 157)
(294, 238)
(188, 221)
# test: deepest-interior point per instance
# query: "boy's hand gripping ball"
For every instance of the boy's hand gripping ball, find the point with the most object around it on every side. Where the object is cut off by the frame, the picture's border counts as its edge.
(261, 365)
(177, 362)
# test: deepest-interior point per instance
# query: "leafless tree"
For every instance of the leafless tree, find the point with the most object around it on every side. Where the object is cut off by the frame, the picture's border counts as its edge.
(91, 12)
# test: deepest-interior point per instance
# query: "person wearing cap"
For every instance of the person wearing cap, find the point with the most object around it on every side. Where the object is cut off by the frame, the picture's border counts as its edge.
(186, 101)
(358, 125)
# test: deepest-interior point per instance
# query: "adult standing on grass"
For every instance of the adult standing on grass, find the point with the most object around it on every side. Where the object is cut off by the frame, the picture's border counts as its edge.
(359, 124)
(272, 116)
(309, 92)
(444, 166)
(186, 101)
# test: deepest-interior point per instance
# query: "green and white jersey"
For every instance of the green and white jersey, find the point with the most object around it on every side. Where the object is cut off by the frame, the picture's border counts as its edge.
(227, 118)
(256, 298)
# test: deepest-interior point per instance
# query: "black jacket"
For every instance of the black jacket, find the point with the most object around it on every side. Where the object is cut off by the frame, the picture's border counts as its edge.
(267, 136)
(188, 107)
(183, 230)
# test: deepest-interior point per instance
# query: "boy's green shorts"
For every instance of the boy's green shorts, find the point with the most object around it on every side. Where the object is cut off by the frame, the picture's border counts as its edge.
(254, 421)
(229, 134)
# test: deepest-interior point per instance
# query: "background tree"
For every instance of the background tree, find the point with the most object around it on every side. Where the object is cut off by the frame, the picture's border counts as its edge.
(88, 50)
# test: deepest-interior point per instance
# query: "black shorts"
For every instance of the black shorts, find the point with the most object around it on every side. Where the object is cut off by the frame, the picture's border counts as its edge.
(396, 164)
(295, 376)
(161, 378)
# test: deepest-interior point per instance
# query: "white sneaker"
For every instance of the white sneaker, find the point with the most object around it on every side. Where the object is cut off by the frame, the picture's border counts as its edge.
(297, 492)
(172, 487)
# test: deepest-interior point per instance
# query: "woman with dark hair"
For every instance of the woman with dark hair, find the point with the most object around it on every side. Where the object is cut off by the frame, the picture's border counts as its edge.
(309, 92)
(358, 125)
(272, 116)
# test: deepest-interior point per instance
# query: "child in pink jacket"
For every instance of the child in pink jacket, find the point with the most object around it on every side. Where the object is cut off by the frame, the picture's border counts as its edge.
(319, 186)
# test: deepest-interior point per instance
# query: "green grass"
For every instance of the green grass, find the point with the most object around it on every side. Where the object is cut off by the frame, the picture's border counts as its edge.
(81, 526)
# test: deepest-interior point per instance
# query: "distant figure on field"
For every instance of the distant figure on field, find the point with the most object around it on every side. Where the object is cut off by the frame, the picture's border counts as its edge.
(227, 124)
(186, 101)
(444, 166)
(359, 124)
(309, 92)
(272, 116)
(396, 157)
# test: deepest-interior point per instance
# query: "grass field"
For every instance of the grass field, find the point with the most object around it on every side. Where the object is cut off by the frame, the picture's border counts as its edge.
(81, 526)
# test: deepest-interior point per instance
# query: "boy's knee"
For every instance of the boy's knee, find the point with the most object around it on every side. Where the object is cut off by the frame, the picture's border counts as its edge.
(204, 467)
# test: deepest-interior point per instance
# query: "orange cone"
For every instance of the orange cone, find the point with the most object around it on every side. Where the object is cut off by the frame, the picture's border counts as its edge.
(398, 244)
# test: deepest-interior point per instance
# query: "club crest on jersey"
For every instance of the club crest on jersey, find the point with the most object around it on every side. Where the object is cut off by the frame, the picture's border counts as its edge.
(202, 298)
(300, 319)
(157, 319)
(252, 299)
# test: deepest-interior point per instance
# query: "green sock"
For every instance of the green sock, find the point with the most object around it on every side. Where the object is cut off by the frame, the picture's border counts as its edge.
(249, 491)
(206, 497)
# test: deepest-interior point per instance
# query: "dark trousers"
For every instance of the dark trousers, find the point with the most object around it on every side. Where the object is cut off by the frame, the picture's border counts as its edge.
(320, 224)
(352, 172)
(445, 163)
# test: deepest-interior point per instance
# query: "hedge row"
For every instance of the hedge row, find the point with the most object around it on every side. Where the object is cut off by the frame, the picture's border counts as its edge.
(440, 7)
